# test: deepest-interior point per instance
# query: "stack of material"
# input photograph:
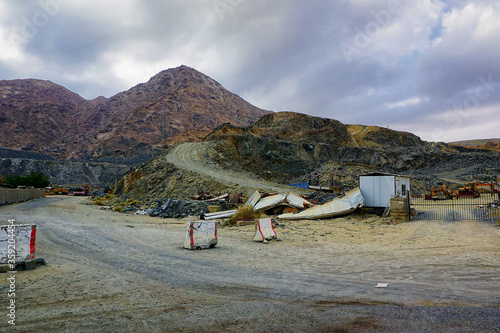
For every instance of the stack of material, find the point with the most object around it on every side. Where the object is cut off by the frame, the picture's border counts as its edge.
(400, 208)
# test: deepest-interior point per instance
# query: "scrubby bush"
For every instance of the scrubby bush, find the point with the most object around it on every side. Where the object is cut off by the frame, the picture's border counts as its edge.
(245, 212)
(98, 202)
(133, 202)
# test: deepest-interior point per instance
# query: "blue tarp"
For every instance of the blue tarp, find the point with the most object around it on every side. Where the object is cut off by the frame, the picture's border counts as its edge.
(301, 185)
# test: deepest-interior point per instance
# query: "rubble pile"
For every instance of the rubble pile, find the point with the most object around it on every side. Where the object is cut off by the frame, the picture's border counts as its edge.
(319, 198)
(171, 208)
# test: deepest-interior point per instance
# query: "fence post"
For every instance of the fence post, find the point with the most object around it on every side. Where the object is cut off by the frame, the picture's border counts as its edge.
(409, 207)
(453, 209)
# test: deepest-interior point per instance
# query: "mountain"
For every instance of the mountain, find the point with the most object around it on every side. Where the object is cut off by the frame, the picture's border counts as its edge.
(130, 127)
(493, 144)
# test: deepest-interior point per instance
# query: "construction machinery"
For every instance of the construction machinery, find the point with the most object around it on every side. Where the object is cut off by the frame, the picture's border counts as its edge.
(475, 189)
(469, 190)
(486, 188)
(82, 190)
(442, 192)
(56, 190)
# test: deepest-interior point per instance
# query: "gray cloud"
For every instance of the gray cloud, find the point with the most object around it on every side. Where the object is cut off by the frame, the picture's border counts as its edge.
(416, 66)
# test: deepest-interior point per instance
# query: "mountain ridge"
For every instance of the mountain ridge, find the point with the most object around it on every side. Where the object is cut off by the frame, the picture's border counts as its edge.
(43, 117)
(492, 144)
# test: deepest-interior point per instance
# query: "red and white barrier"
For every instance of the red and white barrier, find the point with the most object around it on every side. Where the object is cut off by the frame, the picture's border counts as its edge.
(265, 230)
(201, 235)
(17, 243)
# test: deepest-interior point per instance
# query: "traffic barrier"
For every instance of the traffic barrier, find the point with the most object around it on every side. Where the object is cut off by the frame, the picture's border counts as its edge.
(201, 235)
(17, 243)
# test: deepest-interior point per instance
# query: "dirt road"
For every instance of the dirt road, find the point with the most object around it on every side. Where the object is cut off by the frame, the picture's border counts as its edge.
(190, 156)
(109, 272)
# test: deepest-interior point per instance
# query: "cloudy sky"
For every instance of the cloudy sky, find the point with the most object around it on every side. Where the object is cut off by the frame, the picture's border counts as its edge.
(424, 66)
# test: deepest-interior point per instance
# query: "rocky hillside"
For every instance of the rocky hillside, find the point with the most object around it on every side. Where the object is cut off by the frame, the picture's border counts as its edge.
(304, 148)
(379, 137)
(289, 147)
(493, 144)
(38, 115)
(130, 127)
(285, 145)
(66, 173)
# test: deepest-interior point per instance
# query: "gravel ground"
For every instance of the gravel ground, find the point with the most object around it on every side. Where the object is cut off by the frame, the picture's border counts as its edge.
(110, 272)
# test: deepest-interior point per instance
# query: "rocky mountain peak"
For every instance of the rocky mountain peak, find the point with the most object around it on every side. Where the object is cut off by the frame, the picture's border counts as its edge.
(42, 116)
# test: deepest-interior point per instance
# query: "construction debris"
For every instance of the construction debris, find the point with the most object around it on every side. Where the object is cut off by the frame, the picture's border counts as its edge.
(252, 199)
(270, 202)
(279, 202)
(298, 202)
(338, 206)
(218, 215)
(171, 208)
(208, 207)
(203, 196)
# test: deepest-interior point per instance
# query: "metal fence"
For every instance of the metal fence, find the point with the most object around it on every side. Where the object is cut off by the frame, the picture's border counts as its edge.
(486, 207)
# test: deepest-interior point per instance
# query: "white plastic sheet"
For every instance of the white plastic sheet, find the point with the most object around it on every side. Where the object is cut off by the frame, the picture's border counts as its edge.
(338, 206)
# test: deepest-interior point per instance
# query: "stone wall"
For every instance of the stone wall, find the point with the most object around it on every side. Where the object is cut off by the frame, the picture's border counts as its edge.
(9, 196)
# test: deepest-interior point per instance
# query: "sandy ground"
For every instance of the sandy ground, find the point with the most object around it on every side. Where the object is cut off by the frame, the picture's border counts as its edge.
(110, 272)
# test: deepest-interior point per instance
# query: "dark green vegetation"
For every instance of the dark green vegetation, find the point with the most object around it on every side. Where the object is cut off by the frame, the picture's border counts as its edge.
(35, 179)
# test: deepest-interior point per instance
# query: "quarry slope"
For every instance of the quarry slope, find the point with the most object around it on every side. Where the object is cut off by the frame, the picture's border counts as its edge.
(191, 157)
(493, 144)
(187, 170)
(288, 147)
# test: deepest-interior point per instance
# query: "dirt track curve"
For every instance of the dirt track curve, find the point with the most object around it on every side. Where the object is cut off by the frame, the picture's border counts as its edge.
(190, 156)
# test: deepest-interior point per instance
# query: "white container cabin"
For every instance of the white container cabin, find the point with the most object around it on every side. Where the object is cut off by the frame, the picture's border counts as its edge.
(378, 188)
